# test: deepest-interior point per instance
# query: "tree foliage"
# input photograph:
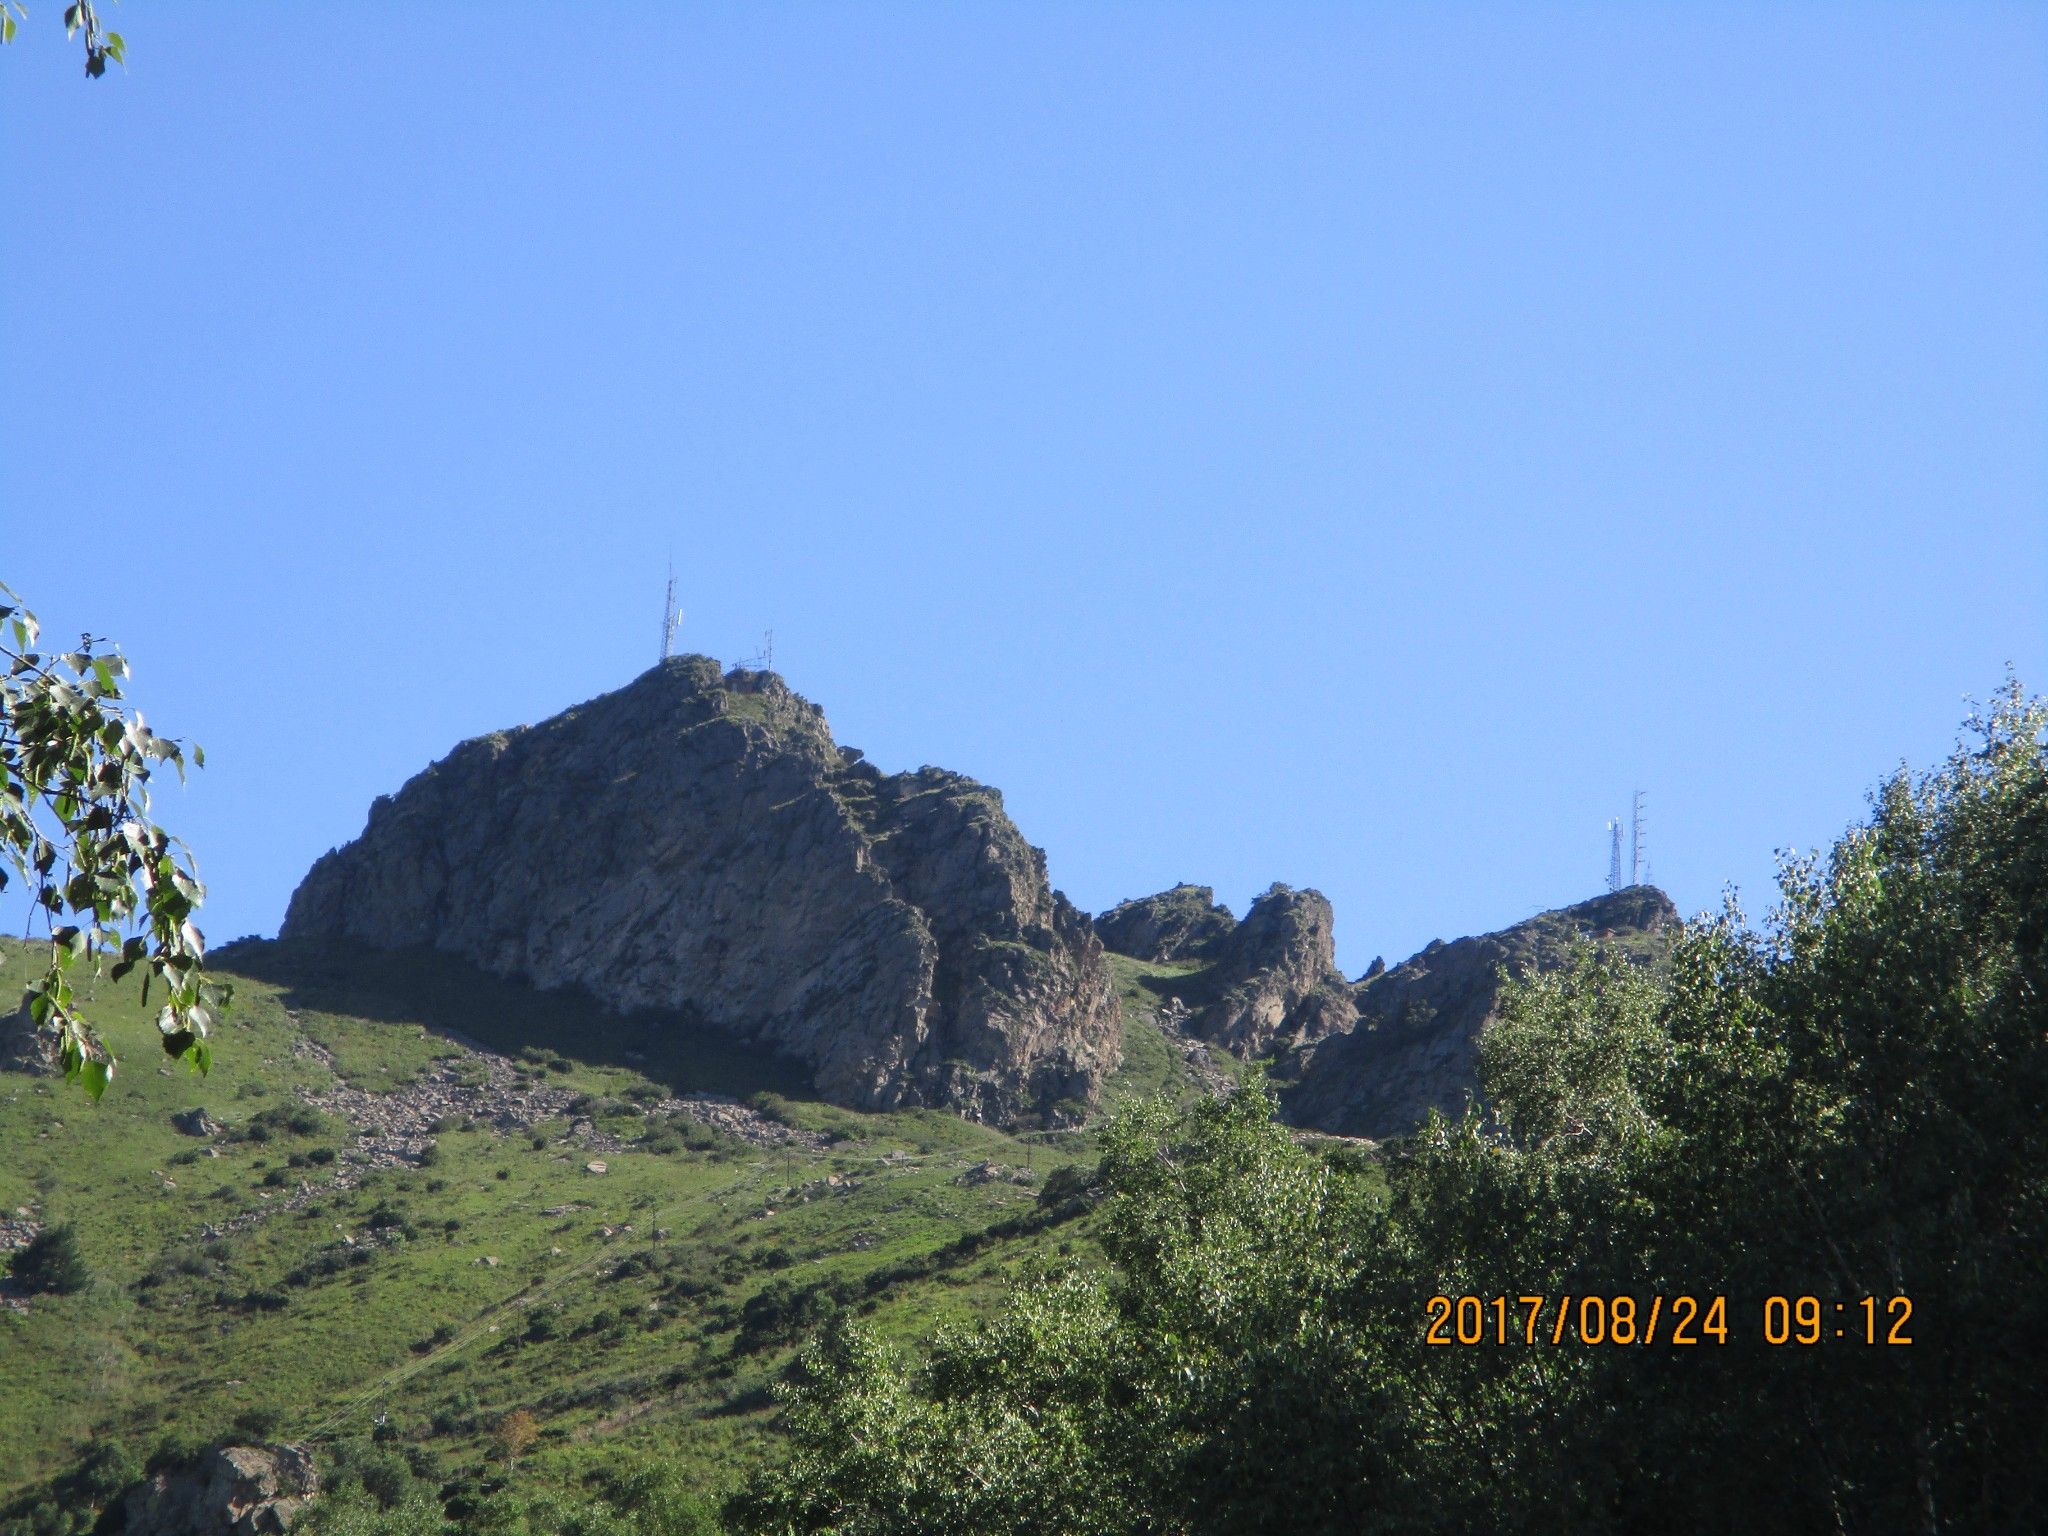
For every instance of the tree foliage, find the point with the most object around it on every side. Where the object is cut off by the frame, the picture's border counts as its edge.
(113, 890)
(82, 16)
(645, 1501)
(51, 1262)
(1845, 1102)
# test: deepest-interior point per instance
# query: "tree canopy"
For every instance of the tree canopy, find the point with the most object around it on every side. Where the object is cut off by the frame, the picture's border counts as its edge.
(1844, 1103)
(113, 891)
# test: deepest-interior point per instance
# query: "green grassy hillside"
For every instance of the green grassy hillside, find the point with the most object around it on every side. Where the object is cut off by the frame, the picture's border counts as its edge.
(398, 1230)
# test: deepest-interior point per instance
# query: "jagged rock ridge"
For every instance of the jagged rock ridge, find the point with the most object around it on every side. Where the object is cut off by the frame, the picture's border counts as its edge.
(1415, 1046)
(1275, 981)
(1272, 980)
(698, 841)
(1181, 924)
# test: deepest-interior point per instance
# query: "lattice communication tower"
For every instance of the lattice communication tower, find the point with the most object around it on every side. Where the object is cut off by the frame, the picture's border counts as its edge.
(671, 616)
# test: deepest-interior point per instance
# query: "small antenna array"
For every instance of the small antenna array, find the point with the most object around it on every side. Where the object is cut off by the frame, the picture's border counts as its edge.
(1638, 848)
(671, 616)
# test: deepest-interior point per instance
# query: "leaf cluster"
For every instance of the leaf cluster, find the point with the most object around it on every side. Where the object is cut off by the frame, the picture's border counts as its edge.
(113, 890)
(81, 16)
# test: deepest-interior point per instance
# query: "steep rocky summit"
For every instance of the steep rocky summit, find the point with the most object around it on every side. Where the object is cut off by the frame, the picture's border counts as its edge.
(1416, 1043)
(1180, 924)
(697, 841)
(1275, 982)
(1272, 980)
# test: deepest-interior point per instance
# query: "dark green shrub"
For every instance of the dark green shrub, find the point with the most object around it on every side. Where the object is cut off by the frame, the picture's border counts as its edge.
(52, 1262)
(1073, 1181)
(284, 1120)
(386, 1476)
(106, 1473)
(257, 1424)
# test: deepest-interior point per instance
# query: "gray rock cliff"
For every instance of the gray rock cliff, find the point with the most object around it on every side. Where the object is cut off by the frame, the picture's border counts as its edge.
(698, 841)
(1271, 981)
(1415, 1046)
(1179, 924)
(1274, 983)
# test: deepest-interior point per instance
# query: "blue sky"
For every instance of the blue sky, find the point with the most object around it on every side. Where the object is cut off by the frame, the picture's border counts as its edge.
(1348, 445)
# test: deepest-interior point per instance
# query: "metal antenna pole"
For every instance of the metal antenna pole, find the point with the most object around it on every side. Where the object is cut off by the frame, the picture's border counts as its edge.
(1613, 853)
(670, 619)
(1636, 850)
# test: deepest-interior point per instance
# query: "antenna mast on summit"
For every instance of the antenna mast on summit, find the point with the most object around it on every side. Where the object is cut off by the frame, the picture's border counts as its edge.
(1614, 853)
(1637, 854)
(671, 620)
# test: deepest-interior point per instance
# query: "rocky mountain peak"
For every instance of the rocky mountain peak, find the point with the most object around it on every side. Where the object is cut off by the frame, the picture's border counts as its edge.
(1415, 1046)
(1179, 924)
(696, 840)
(1272, 979)
(1275, 980)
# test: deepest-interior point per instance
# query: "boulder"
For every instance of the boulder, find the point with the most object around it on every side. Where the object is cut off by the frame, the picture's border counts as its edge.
(197, 1122)
(234, 1490)
(25, 1048)
(698, 842)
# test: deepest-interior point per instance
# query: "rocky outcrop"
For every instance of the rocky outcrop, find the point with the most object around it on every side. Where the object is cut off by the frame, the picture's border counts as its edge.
(197, 1122)
(234, 1490)
(1274, 983)
(1180, 924)
(698, 842)
(1416, 1043)
(23, 1047)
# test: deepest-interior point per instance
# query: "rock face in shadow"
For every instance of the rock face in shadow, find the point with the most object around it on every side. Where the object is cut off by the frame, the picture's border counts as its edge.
(698, 841)
(233, 1490)
(1416, 1043)
(1181, 924)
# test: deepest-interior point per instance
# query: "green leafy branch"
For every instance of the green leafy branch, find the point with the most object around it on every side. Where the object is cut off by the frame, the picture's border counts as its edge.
(100, 44)
(75, 828)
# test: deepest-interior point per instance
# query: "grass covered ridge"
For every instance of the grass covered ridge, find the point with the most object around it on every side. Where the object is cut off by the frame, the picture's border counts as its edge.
(238, 1292)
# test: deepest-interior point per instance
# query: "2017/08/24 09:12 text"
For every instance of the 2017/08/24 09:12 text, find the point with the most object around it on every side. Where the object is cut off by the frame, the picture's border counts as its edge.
(1676, 1320)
